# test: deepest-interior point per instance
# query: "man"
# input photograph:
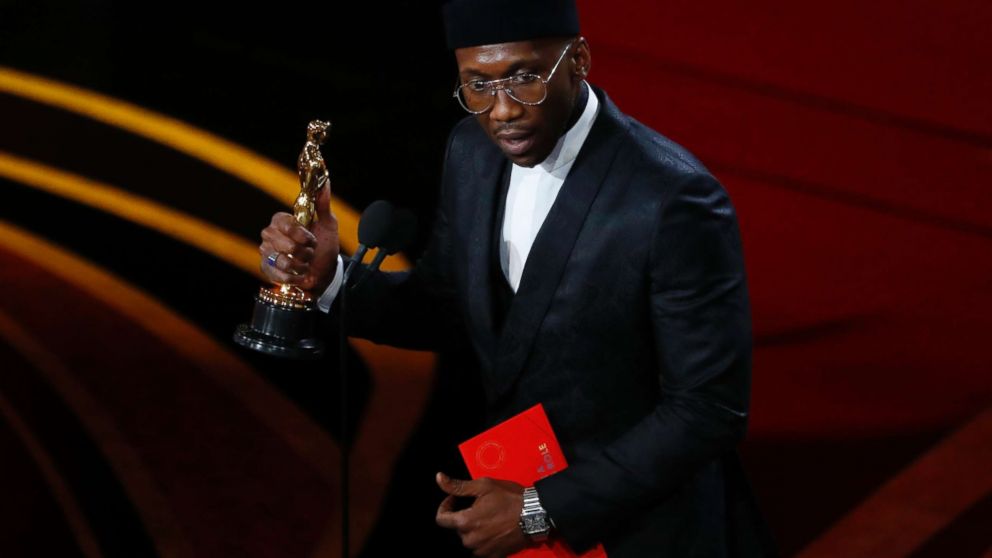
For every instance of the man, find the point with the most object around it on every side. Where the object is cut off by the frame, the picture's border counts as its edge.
(596, 267)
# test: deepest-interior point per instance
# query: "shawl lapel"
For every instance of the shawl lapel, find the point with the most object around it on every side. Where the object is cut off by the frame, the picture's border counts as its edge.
(488, 163)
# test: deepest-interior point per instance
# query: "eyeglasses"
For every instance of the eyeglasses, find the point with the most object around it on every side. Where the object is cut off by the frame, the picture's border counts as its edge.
(478, 96)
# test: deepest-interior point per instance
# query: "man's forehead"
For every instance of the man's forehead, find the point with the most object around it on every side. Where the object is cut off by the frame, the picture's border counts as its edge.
(487, 57)
(498, 52)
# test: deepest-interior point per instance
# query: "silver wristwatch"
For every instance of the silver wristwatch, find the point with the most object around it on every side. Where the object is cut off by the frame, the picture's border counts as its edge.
(534, 520)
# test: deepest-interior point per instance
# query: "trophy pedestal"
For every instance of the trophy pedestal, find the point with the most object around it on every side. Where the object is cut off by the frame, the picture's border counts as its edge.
(283, 324)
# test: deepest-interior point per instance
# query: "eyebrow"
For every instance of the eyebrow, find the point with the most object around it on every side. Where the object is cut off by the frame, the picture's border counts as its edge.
(531, 65)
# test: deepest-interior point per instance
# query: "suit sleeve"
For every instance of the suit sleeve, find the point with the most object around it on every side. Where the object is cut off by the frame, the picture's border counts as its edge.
(413, 309)
(702, 336)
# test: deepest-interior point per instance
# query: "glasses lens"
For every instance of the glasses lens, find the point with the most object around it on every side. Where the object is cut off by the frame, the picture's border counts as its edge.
(474, 99)
(527, 88)
(477, 96)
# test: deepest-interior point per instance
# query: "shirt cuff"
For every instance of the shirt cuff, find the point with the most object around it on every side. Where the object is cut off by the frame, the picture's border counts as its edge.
(326, 299)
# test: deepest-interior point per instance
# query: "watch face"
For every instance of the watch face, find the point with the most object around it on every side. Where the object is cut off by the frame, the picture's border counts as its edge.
(535, 524)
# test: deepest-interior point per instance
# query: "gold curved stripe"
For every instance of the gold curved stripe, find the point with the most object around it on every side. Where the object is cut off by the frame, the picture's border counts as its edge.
(919, 501)
(132, 207)
(210, 357)
(46, 465)
(253, 169)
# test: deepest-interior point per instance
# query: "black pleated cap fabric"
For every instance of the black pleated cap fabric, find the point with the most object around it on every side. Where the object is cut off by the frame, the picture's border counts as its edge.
(486, 22)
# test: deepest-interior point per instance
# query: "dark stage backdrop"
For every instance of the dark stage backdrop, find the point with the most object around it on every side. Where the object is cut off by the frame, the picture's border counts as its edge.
(144, 146)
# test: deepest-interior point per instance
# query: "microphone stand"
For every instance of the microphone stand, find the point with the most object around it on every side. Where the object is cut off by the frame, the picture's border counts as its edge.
(343, 403)
(398, 239)
(345, 439)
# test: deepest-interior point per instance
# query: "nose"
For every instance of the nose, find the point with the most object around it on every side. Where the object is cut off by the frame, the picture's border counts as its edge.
(505, 109)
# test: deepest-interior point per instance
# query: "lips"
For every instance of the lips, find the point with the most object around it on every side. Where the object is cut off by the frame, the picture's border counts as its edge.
(515, 142)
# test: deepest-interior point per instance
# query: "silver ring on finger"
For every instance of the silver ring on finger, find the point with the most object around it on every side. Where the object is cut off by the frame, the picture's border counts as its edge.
(272, 259)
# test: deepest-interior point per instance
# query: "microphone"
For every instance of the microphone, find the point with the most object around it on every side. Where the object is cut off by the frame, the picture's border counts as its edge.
(404, 228)
(373, 229)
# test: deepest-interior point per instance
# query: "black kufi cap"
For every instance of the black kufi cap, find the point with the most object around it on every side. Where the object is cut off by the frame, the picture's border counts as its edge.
(486, 22)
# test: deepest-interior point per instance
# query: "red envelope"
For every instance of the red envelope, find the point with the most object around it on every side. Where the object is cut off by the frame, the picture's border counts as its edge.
(522, 449)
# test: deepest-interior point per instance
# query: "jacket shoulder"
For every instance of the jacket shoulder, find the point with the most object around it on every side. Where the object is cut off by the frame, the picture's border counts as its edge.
(657, 154)
(465, 136)
(665, 176)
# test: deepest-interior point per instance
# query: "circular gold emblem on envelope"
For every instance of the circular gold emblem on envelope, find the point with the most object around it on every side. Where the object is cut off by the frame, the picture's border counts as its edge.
(490, 455)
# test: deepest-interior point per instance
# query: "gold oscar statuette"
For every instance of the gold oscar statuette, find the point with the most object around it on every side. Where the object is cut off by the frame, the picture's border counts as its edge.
(284, 321)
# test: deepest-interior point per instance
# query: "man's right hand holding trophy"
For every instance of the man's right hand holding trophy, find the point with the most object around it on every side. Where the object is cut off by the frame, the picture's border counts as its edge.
(301, 257)
(299, 253)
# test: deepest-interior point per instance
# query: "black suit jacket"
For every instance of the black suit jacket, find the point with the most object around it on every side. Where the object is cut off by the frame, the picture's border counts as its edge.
(631, 325)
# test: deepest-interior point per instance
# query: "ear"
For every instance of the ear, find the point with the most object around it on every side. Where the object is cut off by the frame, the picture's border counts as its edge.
(581, 58)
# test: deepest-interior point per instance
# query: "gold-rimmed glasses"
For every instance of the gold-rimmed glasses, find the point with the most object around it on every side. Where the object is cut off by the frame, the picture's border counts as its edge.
(478, 96)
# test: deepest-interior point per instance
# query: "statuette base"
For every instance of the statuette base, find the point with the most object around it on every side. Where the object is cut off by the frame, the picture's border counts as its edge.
(281, 328)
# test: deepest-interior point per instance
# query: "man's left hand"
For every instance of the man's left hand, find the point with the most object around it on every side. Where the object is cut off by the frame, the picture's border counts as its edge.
(491, 526)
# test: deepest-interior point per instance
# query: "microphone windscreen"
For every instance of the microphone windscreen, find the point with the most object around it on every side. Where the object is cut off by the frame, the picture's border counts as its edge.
(376, 223)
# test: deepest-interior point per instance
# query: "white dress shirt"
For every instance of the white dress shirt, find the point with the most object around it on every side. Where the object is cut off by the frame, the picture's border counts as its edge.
(531, 194)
